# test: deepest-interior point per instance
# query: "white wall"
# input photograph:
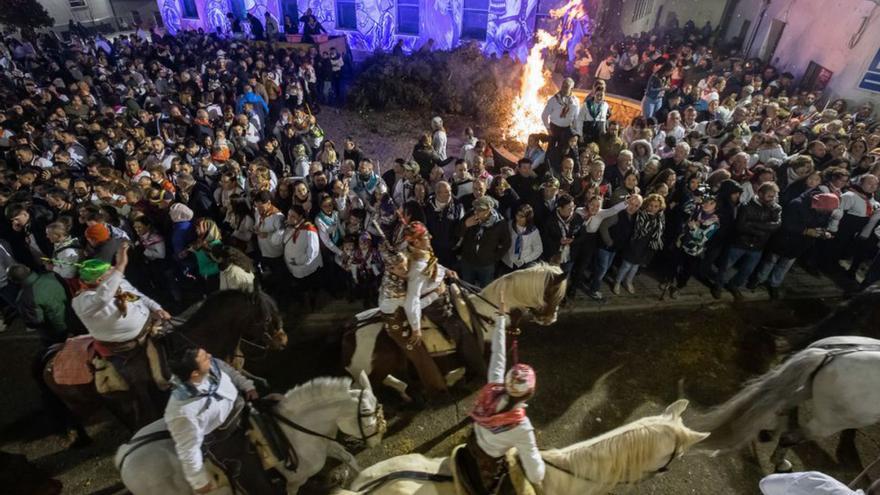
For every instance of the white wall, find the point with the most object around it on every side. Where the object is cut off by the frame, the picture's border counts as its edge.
(60, 10)
(698, 11)
(820, 31)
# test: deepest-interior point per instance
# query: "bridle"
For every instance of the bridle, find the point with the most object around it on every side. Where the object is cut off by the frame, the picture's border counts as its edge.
(377, 414)
(267, 336)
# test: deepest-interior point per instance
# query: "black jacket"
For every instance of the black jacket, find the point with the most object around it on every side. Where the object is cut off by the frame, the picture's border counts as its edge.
(616, 231)
(443, 226)
(755, 223)
(798, 216)
(552, 234)
(488, 248)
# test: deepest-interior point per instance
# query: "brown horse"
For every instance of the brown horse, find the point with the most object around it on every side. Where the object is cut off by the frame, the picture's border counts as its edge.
(538, 289)
(218, 325)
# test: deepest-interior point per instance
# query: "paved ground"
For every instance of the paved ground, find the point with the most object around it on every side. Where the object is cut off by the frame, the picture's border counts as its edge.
(599, 367)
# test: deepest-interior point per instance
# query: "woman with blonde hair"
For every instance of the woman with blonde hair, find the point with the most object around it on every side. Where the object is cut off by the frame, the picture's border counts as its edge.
(647, 239)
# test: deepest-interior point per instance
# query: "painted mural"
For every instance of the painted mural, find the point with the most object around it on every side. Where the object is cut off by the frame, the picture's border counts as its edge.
(510, 25)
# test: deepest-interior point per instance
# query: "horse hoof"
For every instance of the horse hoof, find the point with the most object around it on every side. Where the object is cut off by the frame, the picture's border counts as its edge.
(765, 436)
(784, 467)
(77, 439)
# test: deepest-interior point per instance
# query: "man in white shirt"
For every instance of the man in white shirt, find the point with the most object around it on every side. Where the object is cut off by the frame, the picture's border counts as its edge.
(499, 415)
(302, 250)
(205, 410)
(268, 223)
(120, 318)
(559, 117)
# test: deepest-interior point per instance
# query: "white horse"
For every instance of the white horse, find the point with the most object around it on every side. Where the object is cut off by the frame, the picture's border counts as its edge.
(538, 289)
(628, 454)
(320, 408)
(839, 374)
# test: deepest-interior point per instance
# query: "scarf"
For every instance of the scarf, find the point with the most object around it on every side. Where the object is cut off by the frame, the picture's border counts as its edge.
(430, 270)
(565, 101)
(330, 222)
(494, 217)
(518, 241)
(367, 186)
(485, 412)
(650, 227)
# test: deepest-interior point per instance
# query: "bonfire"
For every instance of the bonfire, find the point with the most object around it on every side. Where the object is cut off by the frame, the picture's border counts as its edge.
(537, 83)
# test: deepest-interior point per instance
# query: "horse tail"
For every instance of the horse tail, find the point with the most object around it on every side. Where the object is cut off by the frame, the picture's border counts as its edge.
(738, 420)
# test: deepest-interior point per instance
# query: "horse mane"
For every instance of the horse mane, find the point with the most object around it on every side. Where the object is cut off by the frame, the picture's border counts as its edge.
(319, 390)
(525, 288)
(618, 456)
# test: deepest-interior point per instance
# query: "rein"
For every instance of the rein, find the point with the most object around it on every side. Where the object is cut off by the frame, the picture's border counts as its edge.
(139, 442)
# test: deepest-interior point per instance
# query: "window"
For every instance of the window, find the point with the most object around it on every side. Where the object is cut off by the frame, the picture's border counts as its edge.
(188, 9)
(474, 19)
(642, 8)
(408, 16)
(346, 14)
(77, 4)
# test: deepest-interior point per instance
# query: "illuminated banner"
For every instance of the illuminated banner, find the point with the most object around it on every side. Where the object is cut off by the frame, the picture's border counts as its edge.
(871, 81)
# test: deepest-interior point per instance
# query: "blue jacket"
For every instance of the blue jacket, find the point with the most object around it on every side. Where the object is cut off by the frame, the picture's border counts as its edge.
(254, 98)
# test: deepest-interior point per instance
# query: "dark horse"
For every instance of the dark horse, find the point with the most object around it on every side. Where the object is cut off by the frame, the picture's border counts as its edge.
(222, 321)
(857, 316)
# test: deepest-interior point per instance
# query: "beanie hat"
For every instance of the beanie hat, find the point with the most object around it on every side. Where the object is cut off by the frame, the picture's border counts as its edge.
(91, 270)
(98, 233)
(825, 202)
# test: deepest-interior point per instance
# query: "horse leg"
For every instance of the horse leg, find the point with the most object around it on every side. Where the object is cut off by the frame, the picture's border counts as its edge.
(846, 452)
(398, 386)
(792, 436)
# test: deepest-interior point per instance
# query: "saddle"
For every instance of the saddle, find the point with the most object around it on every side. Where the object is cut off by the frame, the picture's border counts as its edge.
(268, 439)
(82, 360)
(468, 480)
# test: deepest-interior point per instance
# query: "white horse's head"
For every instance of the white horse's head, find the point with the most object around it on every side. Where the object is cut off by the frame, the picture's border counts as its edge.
(628, 454)
(539, 288)
(365, 420)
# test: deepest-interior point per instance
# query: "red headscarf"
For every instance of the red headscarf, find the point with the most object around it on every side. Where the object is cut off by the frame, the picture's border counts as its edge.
(485, 412)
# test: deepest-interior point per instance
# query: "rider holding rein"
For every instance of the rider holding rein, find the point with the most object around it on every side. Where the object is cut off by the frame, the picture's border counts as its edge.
(427, 276)
(499, 415)
(205, 409)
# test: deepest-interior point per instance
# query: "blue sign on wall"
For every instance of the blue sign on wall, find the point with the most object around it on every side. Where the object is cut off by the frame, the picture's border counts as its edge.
(871, 81)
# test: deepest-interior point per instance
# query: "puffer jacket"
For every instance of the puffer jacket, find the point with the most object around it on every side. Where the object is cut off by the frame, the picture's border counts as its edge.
(755, 223)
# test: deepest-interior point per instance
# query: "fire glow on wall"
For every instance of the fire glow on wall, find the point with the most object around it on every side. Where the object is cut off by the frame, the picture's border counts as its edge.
(499, 25)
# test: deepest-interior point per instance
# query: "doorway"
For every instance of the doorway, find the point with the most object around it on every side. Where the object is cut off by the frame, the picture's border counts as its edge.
(772, 41)
(743, 32)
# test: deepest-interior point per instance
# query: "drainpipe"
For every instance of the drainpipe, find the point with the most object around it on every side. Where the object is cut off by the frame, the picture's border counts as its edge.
(748, 49)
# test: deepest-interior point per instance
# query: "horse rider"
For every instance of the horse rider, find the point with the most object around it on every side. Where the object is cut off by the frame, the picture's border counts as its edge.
(120, 318)
(392, 296)
(206, 411)
(427, 276)
(499, 415)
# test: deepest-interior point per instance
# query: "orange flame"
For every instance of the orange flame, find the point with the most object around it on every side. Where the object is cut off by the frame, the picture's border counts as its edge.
(529, 104)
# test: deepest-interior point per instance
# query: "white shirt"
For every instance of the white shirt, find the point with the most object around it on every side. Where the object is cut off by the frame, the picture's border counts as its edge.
(235, 277)
(585, 116)
(851, 203)
(190, 419)
(521, 436)
(807, 483)
(302, 250)
(270, 245)
(98, 312)
(530, 251)
(552, 113)
(438, 141)
(417, 286)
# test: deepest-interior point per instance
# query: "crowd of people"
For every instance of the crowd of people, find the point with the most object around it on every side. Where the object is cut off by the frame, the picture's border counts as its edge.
(202, 153)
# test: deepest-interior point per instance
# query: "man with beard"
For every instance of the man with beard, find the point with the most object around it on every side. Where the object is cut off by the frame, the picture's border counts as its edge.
(365, 181)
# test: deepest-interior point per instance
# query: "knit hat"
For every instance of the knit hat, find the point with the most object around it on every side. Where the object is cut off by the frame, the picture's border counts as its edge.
(485, 203)
(97, 233)
(91, 270)
(520, 380)
(179, 212)
(825, 202)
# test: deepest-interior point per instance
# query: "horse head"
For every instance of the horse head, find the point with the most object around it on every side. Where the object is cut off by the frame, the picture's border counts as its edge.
(368, 421)
(539, 289)
(554, 293)
(629, 454)
(270, 329)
